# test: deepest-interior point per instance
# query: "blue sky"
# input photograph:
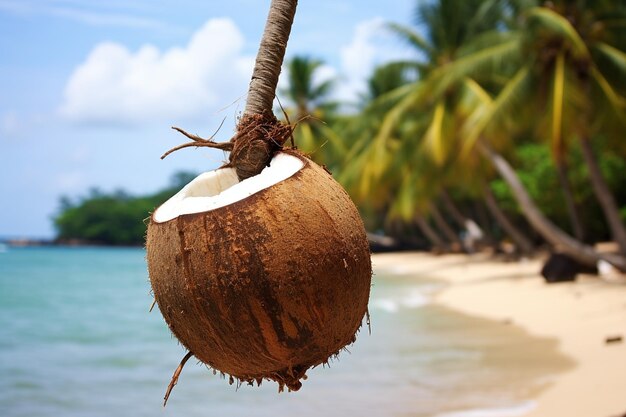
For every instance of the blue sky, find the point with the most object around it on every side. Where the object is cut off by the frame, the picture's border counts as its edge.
(89, 89)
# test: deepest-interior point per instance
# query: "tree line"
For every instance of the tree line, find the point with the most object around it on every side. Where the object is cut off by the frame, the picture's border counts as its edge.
(506, 129)
(509, 123)
(114, 218)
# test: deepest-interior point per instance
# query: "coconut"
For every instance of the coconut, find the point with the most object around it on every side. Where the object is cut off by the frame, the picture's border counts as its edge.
(262, 278)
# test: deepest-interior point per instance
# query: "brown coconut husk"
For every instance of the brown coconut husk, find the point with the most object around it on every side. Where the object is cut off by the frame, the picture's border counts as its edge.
(269, 286)
(258, 138)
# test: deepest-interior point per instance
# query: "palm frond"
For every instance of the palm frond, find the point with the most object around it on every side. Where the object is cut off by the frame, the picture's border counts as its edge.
(433, 139)
(617, 101)
(553, 21)
(487, 40)
(391, 76)
(404, 202)
(487, 59)
(487, 15)
(617, 57)
(483, 97)
(334, 140)
(321, 90)
(412, 38)
(390, 98)
(305, 139)
(498, 108)
(557, 103)
(393, 116)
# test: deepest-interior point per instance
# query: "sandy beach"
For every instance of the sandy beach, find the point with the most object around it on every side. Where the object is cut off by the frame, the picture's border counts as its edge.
(580, 315)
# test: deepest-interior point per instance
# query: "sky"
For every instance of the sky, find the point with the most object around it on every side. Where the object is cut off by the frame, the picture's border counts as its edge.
(89, 89)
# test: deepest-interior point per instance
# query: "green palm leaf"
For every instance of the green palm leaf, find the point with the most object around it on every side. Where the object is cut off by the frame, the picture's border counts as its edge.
(412, 38)
(306, 139)
(617, 57)
(481, 61)
(499, 108)
(549, 19)
(617, 101)
(557, 103)
(433, 139)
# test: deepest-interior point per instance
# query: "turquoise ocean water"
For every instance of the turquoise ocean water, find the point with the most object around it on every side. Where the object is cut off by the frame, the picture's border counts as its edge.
(76, 339)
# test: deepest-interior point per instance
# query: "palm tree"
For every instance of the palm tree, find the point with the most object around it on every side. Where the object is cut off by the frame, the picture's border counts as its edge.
(548, 230)
(569, 74)
(418, 122)
(522, 243)
(367, 176)
(449, 25)
(510, 50)
(309, 107)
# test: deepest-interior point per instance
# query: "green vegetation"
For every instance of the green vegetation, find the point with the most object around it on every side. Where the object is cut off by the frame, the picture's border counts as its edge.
(310, 110)
(507, 126)
(111, 218)
(519, 99)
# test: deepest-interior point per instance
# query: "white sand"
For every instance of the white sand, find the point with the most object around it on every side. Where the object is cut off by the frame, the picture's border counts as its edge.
(580, 315)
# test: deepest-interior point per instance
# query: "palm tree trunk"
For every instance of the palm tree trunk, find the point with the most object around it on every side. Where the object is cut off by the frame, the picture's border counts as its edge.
(548, 230)
(523, 244)
(451, 208)
(269, 59)
(570, 204)
(604, 196)
(471, 227)
(430, 233)
(483, 222)
(259, 134)
(444, 227)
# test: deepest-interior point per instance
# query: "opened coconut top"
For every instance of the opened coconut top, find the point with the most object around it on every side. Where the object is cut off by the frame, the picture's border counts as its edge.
(221, 187)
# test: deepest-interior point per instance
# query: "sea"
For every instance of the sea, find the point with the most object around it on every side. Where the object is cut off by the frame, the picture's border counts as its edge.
(77, 339)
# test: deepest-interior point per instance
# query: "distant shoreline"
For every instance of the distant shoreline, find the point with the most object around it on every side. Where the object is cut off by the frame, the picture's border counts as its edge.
(76, 243)
(378, 244)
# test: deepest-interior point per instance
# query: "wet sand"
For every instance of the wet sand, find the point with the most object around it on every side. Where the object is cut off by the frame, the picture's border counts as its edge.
(580, 316)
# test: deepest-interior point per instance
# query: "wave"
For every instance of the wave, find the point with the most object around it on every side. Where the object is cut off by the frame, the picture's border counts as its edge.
(512, 411)
(392, 304)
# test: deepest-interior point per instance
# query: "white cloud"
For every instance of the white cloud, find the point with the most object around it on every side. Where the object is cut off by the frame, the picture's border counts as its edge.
(371, 45)
(358, 57)
(118, 86)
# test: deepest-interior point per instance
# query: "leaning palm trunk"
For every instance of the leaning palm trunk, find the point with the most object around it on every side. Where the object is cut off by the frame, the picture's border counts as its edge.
(523, 244)
(435, 240)
(445, 228)
(452, 209)
(474, 231)
(604, 196)
(568, 195)
(548, 230)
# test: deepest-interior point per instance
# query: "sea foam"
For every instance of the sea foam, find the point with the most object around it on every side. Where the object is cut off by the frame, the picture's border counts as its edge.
(392, 303)
(512, 411)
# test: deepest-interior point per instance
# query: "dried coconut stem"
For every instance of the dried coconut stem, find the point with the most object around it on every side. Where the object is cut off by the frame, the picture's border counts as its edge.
(198, 141)
(250, 151)
(175, 377)
(270, 56)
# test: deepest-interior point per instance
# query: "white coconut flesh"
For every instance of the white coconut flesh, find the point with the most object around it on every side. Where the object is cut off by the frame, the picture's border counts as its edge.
(221, 187)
